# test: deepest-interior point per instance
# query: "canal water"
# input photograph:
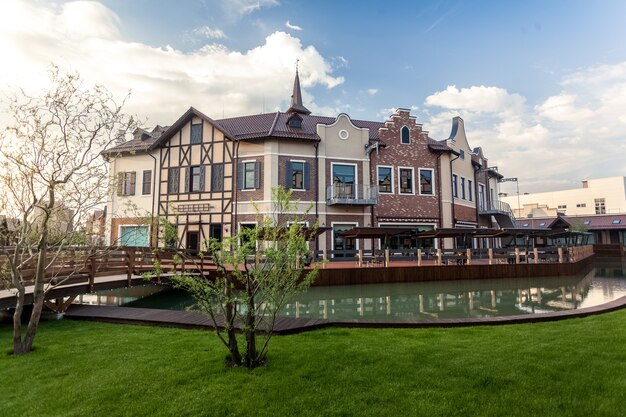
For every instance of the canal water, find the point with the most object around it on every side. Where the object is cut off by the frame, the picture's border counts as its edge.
(601, 283)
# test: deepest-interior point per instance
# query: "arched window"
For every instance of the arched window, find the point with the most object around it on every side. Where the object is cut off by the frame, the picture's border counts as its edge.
(404, 135)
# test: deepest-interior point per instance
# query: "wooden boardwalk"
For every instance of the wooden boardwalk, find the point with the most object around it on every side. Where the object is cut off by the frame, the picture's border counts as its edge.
(180, 319)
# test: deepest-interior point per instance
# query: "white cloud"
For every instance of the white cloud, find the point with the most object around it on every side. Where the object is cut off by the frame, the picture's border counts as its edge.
(164, 81)
(292, 27)
(209, 33)
(384, 114)
(235, 9)
(562, 139)
(477, 99)
(372, 91)
(338, 62)
(564, 108)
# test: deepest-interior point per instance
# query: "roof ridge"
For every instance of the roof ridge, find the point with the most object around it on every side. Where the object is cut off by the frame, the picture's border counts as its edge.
(273, 124)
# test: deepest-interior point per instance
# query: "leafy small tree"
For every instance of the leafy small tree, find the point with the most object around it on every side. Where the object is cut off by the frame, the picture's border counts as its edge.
(258, 270)
(52, 176)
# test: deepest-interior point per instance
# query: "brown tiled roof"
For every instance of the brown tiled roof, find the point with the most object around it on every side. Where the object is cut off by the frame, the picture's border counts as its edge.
(259, 126)
(178, 124)
(140, 143)
(603, 221)
(592, 222)
(438, 145)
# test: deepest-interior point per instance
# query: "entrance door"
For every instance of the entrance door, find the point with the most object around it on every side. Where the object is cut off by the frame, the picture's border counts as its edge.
(193, 242)
(341, 243)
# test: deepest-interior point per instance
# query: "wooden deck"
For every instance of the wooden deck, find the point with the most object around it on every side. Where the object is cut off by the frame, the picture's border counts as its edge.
(181, 319)
(288, 325)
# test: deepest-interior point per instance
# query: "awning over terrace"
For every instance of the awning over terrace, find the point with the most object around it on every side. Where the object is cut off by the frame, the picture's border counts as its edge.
(385, 233)
(309, 233)
(375, 232)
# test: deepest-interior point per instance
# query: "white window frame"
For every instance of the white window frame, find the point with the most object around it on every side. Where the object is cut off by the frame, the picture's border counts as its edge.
(303, 162)
(356, 175)
(462, 184)
(243, 182)
(470, 190)
(392, 179)
(455, 185)
(412, 181)
(432, 178)
(119, 231)
(409, 130)
(482, 196)
(332, 228)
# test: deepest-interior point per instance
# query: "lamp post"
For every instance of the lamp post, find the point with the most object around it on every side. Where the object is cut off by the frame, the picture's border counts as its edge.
(514, 179)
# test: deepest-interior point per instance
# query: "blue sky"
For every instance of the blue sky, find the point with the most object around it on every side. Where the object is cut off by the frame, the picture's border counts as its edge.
(541, 85)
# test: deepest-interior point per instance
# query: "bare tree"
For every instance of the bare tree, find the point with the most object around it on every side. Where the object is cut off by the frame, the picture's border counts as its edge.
(52, 176)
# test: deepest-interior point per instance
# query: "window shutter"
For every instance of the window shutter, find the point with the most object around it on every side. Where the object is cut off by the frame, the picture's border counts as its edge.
(257, 174)
(120, 183)
(288, 176)
(240, 176)
(133, 181)
(146, 183)
(187, 179)
(201, 178)
(305, 175)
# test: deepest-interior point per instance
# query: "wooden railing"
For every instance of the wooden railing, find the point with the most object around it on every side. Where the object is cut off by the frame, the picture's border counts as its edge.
(80, 264)
(491, 256)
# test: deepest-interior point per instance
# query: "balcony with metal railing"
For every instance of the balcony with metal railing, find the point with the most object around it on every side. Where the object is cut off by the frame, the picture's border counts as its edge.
(495, 207)
(352, 194)
(499, 209)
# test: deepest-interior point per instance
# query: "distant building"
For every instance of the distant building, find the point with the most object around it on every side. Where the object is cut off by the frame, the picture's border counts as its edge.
(596, 196)
(604, 228)
(95, 227)
(8, 230)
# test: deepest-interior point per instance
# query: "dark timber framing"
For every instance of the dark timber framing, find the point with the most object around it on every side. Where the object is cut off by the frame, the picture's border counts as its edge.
(197, 211)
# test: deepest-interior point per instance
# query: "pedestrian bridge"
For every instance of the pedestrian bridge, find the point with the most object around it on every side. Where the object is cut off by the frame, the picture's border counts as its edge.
(85, 270)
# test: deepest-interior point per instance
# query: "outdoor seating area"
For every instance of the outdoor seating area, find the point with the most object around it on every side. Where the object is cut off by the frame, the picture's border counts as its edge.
(469, 246)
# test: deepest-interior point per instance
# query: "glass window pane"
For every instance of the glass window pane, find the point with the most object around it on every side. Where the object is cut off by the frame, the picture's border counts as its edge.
(384, 180)
(426, 181)
(297, 175)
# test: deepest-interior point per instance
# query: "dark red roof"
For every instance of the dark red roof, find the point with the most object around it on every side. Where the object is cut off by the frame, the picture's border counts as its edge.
(592, 222)
(260, 126)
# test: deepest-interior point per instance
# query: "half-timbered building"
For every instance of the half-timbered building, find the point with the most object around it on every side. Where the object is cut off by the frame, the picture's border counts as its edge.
(211, 178)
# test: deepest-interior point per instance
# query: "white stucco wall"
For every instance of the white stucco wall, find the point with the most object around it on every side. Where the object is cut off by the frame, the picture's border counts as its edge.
(579, 201)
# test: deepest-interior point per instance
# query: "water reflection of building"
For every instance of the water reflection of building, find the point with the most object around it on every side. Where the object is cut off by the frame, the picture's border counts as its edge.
(453, 299)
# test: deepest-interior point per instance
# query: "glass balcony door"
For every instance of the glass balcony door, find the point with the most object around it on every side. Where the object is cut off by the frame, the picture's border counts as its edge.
(344, 181)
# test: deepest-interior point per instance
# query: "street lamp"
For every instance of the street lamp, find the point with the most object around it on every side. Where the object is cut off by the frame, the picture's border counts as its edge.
(514, 179)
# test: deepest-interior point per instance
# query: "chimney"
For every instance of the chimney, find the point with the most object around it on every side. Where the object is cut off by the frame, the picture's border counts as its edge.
(119, 139)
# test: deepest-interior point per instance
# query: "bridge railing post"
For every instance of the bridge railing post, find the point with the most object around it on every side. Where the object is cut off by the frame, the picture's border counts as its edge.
(92, 268)
(130, 265)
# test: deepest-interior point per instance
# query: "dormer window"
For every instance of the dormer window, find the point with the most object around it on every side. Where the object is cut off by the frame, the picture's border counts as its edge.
(295, 121)
(405, 137)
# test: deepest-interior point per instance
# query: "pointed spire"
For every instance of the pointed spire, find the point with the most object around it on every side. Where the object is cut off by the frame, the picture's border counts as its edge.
(296, 97)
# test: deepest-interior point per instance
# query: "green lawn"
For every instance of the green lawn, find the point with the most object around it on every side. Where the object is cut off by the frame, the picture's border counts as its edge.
(574, 367)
